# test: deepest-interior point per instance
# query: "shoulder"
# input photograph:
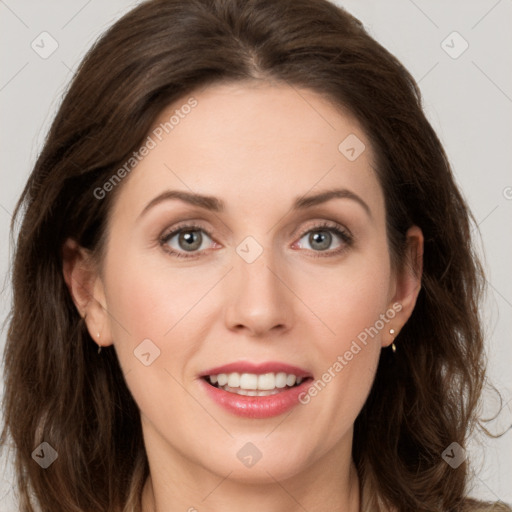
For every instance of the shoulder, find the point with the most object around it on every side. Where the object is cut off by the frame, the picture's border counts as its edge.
(472, 505)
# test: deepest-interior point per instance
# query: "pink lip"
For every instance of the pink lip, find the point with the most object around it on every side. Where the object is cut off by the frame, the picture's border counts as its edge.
(246, 367)
(255, 406)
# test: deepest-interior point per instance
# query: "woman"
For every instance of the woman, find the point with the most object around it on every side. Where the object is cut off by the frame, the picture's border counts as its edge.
(244, 208)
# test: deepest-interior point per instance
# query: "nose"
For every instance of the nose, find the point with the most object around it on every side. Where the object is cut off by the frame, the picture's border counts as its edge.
(258, 298)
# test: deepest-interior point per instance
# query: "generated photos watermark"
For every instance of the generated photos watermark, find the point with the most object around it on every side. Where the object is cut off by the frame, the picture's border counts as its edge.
(355, 348)
(150, 143)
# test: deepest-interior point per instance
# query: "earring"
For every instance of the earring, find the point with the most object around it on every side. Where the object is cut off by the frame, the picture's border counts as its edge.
(99, 346)
(393, 346)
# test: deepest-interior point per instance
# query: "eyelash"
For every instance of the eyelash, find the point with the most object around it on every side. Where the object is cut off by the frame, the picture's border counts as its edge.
(343, 234)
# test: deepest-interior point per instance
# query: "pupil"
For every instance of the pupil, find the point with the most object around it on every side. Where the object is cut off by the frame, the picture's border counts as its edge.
(188, 237)
(319, 237)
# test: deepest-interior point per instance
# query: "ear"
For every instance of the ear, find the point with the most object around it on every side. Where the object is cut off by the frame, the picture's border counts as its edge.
(86, 289)
(407, 284)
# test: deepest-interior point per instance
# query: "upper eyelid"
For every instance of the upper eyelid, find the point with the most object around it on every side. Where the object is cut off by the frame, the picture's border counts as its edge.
(323, 224)
(195, 226)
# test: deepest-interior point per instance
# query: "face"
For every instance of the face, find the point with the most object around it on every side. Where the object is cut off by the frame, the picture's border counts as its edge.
(266, 282)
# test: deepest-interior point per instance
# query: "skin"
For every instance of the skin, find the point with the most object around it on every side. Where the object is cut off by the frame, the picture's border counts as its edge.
(257, 146)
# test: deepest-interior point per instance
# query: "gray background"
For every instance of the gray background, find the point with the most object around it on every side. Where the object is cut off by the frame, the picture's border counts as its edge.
(468, 100)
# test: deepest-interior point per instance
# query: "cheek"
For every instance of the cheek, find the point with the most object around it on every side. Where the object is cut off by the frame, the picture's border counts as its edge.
(147, 292)
(152, 314)
(146, 303)
(355, 307)
(349, 298)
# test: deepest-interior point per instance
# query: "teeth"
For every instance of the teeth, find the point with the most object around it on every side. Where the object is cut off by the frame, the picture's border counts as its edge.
(267, 381)
(245, 392)
(234, 380)
(250, 383)
(290, 380)
(281, 380)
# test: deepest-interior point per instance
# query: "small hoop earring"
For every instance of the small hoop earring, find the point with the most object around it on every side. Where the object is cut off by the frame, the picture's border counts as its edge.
(99, 346)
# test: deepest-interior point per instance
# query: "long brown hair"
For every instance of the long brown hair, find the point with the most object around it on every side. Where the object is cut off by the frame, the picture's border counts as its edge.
(58, 390)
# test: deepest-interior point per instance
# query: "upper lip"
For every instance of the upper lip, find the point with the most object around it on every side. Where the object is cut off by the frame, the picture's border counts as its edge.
(257, 368)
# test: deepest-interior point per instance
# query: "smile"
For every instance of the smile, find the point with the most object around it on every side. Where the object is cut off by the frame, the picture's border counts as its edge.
(251, 384)
(255, 391)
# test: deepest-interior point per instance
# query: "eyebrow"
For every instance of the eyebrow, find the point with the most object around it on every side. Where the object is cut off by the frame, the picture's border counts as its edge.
(217, 205)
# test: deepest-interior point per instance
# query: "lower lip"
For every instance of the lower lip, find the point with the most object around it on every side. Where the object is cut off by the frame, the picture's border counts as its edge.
(256, 406)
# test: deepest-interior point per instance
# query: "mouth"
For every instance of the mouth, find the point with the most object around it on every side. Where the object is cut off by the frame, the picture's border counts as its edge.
(256, 390)
(252, 384)
(255, 403)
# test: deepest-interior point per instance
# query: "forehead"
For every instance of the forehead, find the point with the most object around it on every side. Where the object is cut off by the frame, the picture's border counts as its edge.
(252, 144)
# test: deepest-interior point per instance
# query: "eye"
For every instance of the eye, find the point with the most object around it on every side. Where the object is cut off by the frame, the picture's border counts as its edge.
(189, 239)
(320, 238)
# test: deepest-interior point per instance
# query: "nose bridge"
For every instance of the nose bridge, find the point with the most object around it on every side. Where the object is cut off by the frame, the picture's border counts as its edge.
(259, 300)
